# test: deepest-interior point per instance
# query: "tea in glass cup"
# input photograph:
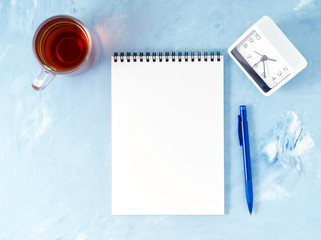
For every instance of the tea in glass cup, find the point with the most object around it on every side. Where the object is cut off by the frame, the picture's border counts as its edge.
(62, 45)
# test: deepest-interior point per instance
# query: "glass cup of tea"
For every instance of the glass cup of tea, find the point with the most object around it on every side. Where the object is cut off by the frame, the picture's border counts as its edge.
(62, 45)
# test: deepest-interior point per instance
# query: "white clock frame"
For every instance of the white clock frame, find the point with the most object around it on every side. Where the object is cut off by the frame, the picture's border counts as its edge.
(290, 55)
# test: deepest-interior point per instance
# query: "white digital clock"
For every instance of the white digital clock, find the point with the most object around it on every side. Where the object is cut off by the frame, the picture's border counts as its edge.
(267, 56)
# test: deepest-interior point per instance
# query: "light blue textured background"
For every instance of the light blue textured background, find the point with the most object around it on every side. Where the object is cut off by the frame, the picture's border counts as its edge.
(55, 161)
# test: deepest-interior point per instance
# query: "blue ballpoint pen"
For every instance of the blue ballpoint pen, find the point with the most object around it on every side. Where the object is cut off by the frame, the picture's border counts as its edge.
(245, 143)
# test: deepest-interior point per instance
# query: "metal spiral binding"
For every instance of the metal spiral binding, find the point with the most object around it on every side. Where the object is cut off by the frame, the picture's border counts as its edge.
(180, 57)
(173, 56)
(135, 56)
(186, 56)
(154, 57)
(199, 55)
(115, 57)
(212, 56)
(166, 56)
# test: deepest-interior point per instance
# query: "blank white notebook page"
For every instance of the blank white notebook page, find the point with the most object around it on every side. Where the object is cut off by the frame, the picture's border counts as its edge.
(167, 137)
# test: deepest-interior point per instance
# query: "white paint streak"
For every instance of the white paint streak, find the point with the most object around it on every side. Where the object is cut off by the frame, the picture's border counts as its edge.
(284, 150)
(301, 4)
(37, 123)
(275, 192)
(4, 52)
(271, 189)
(13, 3)
(271, 150)
(40, 228)
(289, 141)
(81, 236)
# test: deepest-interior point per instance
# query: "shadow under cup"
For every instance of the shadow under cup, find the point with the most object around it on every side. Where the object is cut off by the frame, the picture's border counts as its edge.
(62, 45)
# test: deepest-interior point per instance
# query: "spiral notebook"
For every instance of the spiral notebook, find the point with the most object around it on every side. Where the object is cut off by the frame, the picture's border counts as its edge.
(167, 134)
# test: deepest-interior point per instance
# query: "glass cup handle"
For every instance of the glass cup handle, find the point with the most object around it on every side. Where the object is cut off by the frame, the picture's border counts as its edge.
(42, 80)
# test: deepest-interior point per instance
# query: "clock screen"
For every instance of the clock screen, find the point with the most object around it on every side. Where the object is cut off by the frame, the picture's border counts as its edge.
(261, 61)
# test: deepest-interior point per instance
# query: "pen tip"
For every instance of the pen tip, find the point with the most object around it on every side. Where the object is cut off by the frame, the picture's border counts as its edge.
(250, 206)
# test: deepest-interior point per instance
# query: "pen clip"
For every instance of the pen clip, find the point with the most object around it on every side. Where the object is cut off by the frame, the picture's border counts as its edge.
(240, 130)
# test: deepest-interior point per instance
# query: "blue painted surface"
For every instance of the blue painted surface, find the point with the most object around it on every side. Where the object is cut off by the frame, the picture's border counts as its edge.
(55, 166)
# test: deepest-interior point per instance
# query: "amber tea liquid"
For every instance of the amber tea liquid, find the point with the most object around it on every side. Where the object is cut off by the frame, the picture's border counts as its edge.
(61, 44)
